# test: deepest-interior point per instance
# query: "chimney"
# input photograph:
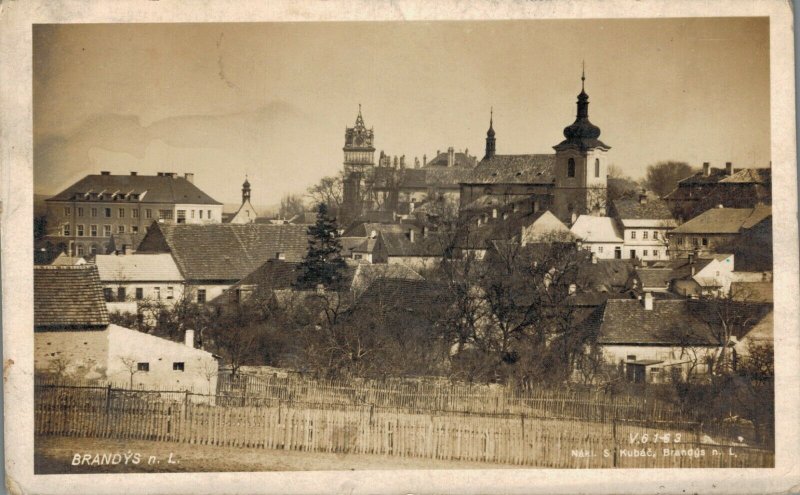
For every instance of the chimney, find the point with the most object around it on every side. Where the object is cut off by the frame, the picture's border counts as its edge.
(189, 178)
(411, 235)
(706, 169)
(425, 160)
(189, 338)
(729, 168)
(105, 172)
(648, 301)
(451, 156)
(134, 174)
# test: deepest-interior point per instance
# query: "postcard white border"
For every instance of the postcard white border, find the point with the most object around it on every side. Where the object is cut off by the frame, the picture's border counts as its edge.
(16, 19)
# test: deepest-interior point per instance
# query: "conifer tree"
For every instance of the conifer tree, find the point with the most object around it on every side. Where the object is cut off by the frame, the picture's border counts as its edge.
(323, 263)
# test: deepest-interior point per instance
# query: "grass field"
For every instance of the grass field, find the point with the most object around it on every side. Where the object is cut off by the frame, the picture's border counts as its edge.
(54, 455)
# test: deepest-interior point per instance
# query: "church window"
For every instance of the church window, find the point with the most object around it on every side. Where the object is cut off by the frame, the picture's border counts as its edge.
(571, 167)
(597, 167)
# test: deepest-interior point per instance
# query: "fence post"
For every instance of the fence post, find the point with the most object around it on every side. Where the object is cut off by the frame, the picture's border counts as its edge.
(614, 439)
(371, 411)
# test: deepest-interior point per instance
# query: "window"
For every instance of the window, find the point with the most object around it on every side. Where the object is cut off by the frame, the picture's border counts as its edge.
(209, 214)
(694, 241)
(201, 214)
(94, 212)
(108, 294)
(617, 252)
(357, 257)
(79, 230)
(148, 213)
(135, 213)
(633, 234)
(597, 167)
(94, 249)
(181, 216)
(107, 212)
(631, 357)
(122, 212)
(644, 253)
(139, 293)
(121, 294)
(165, 214)
(66, 230)
(80, 212)
(705, 241)
(644, 235)
(80, 250)
(201, 296)
(599, 249)
(571, 167)
(717, 275)
(177, 366)
(170, 293)
(67, 211)
(93, 230)
(192, 213)
(134, 229)
(107, 230)
(655, 253)
(655, 234)
(157, 292)
(145, 367)
(120, 229)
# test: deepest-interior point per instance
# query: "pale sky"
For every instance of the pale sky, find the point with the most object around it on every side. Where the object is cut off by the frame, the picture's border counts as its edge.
(272, 100)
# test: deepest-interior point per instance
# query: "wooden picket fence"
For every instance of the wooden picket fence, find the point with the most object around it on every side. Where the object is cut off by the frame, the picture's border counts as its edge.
(514, 439)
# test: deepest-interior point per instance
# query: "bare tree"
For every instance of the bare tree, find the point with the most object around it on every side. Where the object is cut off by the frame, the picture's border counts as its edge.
(131, 364)
(291, 205)
(328, 191)
(663, 177)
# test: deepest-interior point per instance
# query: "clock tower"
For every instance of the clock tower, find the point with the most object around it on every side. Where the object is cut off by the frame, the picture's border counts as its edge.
(359, 152)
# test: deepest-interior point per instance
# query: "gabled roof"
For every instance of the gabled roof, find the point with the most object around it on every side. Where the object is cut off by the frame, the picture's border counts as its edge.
(460, 159)
(750, 176)
(589, 228)
(670, 322)
(225, 251)
(156, 267)
(649, 209)
(514, 169)
(714, 175)
(606, 275)
(538, 226)
(68, 297)
(150, 188)
(724, 220)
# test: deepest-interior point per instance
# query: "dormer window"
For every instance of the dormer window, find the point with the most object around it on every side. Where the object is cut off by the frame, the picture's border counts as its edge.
(571, 167)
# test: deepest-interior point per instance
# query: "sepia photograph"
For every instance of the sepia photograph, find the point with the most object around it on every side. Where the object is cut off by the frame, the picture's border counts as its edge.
(390, 245)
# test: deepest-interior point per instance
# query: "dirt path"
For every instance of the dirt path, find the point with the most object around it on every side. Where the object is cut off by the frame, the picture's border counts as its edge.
(54, 455)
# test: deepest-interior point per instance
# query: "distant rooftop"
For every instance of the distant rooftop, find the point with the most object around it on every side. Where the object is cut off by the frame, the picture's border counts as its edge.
(166, 187)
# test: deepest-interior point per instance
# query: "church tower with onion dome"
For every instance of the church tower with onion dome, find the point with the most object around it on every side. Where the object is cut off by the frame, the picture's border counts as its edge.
(581, 167)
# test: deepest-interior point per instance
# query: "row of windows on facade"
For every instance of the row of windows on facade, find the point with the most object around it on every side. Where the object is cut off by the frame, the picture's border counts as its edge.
(80, 230)
(645, 235)
(122, 294)
(571, 167)
(148, 213)
(692, 241)
(618, 252)
(145, 367)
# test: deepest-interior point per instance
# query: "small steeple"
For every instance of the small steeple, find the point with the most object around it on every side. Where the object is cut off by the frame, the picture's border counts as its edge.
(245, 190)
(490, 139)
(360, 119)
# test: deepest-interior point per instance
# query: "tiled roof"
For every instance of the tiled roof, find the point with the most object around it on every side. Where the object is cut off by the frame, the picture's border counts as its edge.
(68, 297)
(412, 295)
(606, 275)
(399, 244)
(596, 229)
(364, 229)
(225, 251)
(724, 220)
(714, 175)
(158, 267)
(655, 277)
(420, 178)
(670, 322)
(752, 291)
(750, 176)
(151, 189)
(514, 169)
(307, 217)
(539, 225)
(651, 209)
(460, 159)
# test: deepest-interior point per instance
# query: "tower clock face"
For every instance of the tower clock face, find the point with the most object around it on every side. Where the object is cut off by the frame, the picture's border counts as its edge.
(359, 141)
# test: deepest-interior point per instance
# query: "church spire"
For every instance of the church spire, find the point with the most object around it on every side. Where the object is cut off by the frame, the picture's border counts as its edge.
(582, 133)
(245, 190)
(490, 139)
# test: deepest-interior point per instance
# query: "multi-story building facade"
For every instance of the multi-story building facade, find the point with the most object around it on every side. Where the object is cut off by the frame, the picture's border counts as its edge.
(82, 218)
(644, 224)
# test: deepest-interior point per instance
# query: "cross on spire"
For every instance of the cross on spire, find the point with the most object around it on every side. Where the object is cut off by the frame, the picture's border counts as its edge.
(583, 73)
